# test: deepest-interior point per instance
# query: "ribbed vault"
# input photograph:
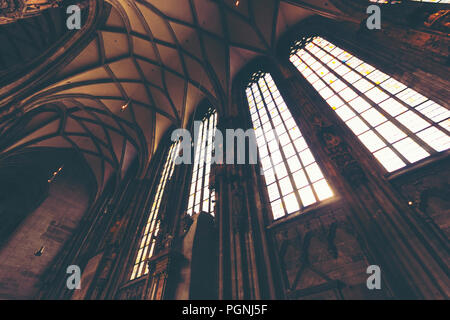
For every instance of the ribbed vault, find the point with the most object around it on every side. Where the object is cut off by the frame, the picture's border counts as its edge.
(28, 38)
(147, 68)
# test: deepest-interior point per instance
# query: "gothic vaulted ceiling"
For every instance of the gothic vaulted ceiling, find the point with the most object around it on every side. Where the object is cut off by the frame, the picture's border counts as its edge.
(147, 68)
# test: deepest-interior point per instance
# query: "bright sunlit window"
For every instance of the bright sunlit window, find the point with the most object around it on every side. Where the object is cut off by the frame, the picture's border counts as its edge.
(398, 125)
(200, 197)
(151, 229)
(294, 179)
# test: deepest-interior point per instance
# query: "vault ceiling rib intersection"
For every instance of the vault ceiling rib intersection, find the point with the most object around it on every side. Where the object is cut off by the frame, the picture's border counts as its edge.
(146, 69)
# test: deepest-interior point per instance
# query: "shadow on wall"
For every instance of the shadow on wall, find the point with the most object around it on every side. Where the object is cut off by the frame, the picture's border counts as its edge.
(38, 217)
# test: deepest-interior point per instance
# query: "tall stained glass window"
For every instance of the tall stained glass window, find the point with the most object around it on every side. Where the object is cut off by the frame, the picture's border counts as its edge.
(151, 229)
(200, 197)
(294, 179)
(397, 125)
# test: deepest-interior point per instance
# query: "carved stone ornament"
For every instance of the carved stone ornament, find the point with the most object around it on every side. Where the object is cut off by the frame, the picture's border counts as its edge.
(186, 223)
(238, 204)
(11, 8)
(116, 233)
(339, 153)
(439, 21)
(164, 240)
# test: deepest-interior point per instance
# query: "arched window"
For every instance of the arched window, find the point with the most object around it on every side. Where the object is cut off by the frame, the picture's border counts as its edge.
(148, 239)
(200, 197)
(397, 125)
(293, 178)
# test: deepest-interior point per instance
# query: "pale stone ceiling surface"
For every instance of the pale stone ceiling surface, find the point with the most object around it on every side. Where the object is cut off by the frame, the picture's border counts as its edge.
(159, 58)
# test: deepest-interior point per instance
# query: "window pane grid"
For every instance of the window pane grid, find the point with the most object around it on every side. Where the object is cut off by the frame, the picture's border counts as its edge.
(269, 162)
(280, 146)
(148, 239)
(375, 106)
(374, 95)
(200, 197)
(392, 88)
(359, 124)
(291, 126)
(386, 87)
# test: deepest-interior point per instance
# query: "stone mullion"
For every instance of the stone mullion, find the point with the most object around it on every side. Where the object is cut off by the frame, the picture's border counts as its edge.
(254, 281)
(230, 281)
(256, 208)
(218, 174)
(256, 219)
(219, 209)
(244, 226)
(244, 237)
(237, 285)
(236, 228)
